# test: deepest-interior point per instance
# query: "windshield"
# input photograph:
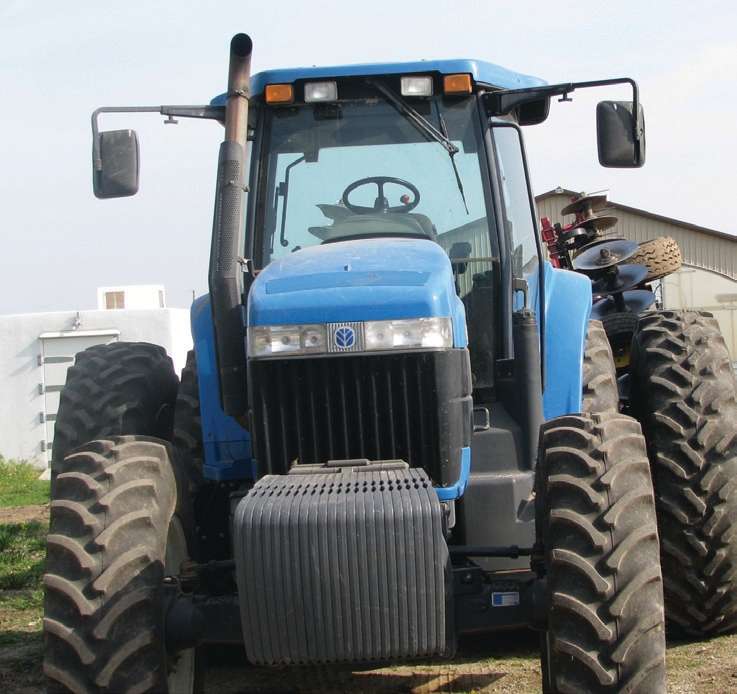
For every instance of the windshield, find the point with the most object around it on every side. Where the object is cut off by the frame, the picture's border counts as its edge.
(363, 168)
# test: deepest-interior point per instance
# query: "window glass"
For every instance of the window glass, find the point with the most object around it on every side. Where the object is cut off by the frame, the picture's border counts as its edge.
(520, 224)
(314, 153)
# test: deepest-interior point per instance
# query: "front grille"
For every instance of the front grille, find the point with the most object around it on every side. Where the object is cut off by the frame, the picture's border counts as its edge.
(379, 407)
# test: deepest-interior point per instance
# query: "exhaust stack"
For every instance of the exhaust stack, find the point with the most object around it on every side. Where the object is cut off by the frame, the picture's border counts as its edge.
(239, 78)
(225, 276)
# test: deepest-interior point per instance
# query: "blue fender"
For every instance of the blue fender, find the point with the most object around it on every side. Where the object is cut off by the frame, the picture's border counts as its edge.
(227, 445)
(567, 312)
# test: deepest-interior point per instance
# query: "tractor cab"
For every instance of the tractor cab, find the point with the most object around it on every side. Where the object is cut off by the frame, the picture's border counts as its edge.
(383, 152)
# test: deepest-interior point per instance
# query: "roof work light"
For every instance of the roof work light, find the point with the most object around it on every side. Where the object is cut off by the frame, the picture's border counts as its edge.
(321, 91)
(416, 86)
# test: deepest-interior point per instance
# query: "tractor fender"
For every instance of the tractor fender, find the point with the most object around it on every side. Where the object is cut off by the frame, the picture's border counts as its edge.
(227, 445)
(567, 312)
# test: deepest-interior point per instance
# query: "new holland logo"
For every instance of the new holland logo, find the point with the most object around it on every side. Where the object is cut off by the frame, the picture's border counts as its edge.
(345, 337)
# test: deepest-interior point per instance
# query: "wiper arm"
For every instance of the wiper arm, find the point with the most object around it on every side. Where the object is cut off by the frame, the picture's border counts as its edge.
(283, 191)
(453, 161)
(405, 109)
(426, 127)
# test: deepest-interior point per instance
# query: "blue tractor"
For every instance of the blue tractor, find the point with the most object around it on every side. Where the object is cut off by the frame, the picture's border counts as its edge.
(398, 424)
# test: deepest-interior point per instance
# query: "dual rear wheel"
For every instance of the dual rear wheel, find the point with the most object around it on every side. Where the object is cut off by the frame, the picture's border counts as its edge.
(683, 392)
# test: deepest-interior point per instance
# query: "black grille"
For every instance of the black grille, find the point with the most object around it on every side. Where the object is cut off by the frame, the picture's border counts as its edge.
(309, 411)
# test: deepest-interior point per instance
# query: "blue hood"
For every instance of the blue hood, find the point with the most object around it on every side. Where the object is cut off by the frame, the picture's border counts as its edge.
(358, 280)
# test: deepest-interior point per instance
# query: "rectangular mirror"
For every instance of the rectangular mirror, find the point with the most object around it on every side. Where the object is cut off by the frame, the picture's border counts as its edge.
(615, 131)
(117, 173)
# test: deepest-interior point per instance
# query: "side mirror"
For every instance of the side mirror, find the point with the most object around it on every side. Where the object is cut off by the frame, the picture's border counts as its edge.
(116, 164)
(621, 138)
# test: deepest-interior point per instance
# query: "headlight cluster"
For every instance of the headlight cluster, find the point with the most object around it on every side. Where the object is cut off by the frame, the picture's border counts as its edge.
(408, 333)
(336, 338)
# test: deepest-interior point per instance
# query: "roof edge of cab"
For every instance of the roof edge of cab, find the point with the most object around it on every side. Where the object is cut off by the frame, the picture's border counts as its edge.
(481, 71)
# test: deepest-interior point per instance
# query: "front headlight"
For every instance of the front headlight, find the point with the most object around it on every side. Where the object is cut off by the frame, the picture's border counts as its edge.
(267, 340)
(337, 338)
(408, 333)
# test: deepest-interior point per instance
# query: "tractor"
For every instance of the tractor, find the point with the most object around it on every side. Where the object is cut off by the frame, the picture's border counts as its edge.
(398, 424)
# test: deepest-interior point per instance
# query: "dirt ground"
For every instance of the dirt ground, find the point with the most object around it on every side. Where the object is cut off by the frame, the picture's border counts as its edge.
(489, 664)
(505, 663)
(23, 514)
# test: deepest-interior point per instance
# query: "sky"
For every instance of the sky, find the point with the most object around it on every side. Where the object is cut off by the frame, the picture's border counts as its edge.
(61, 59)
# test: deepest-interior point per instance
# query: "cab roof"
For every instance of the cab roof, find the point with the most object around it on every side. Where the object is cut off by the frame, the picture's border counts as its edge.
(481, 71)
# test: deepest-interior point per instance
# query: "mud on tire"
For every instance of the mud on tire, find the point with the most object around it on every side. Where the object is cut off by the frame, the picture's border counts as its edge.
(683, 393)
(114, 390)
(597, 520)
(600, 391)
(106, 547)
(187, 436)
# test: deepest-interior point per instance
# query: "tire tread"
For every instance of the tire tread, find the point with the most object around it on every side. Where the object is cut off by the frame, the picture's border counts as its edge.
(104, 581)
(606, 621)
(683, 392)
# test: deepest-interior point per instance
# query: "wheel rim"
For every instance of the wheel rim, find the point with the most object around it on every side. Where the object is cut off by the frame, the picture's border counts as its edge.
(621, 354)
(180, 678)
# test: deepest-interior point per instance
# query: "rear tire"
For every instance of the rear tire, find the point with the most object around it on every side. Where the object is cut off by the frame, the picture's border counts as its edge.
(596, 517)
(600, 391)
(187, 436)
(114, 390)
(113, 530)
(683, 393)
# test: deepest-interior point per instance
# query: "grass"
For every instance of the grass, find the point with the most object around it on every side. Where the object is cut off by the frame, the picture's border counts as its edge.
(22, 561)
(19, 484)
(22, 552)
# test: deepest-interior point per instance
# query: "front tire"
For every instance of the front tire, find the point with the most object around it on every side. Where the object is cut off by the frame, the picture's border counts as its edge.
(113, 531)
(683, 393)
(596, 518)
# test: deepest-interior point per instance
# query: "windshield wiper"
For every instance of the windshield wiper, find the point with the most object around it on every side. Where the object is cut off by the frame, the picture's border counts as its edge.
(283, 190)
(425, 127)
(453, 161)
(406, 110)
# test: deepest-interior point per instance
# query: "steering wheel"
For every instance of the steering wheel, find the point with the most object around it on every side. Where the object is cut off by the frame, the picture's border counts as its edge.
(381, 205)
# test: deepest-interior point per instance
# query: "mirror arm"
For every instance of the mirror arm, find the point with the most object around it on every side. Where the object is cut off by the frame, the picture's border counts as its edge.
(501, 103)
(208, 111)
(637, 134)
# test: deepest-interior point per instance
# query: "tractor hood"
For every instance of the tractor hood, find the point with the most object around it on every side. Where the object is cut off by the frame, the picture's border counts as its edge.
(358, 280)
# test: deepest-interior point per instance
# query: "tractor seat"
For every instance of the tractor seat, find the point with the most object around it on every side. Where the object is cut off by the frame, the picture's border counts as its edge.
(369, 225)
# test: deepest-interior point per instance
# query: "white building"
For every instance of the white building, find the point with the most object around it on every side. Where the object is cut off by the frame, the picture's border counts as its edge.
(37, 349)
